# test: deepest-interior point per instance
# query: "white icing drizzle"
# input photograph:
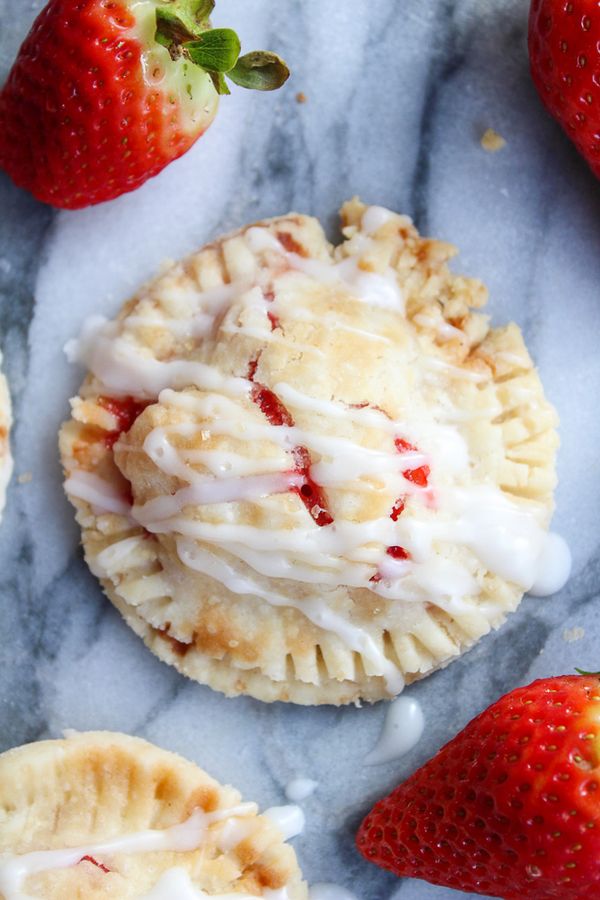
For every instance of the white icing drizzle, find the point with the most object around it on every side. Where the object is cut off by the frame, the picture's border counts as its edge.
(185, 837)
(298, 789)
(233, 831)
(374, 218)
(112, 556)
(124, 369)
(341, 461)
(289, 820)
(329, 891)
(377, 289)
(553, 567)
(507, 538)
(440, 365)
(317, 611)
(213, 303)
(95, 490)
(402, 730)
(371, 287)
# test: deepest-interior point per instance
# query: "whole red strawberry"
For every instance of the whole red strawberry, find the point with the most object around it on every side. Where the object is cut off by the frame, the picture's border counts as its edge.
(564, 51)
(510, 807)
(105, 93)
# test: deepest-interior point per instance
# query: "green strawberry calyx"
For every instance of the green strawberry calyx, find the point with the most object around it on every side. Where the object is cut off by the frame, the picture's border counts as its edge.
(183, 27)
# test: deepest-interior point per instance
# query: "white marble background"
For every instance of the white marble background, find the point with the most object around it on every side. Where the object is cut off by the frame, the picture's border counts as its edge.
(398, 94)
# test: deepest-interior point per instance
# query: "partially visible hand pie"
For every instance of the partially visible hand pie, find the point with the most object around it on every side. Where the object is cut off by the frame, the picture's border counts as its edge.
(310, 473)
(6, 463)
(101, 815)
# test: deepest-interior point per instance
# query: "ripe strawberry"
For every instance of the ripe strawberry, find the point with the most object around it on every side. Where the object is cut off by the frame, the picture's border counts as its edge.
(510, 807)
(564, 52)
(105, 93)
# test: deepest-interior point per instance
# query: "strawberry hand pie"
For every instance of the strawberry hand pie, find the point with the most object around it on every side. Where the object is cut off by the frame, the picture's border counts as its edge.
(101, 815)
(310, 473)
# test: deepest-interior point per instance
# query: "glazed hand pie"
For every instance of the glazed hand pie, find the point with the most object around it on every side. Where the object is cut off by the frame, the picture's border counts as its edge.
(103, 815)
(310, 473)
(6, 463)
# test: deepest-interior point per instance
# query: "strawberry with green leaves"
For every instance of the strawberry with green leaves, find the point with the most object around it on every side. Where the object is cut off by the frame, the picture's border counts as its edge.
(105, 93)
(510, 807)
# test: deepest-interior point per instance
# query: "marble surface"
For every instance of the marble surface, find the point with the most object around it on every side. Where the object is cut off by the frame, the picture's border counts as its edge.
(398, 94)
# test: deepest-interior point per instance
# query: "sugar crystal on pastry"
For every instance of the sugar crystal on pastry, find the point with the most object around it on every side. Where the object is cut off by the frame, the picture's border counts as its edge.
(311, 473)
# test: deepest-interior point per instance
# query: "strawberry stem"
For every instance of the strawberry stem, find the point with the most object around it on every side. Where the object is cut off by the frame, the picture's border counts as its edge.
(215, 51)
(183, 26)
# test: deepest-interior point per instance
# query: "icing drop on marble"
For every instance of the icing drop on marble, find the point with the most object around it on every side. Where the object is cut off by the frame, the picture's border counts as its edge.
(289, 820)
(554, 566)
(402, 730)
(300, 788)
(329, 891)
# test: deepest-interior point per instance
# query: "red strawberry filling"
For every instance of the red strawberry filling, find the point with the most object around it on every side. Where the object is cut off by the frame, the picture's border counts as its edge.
(274, 320)
(311, 493)
(398, 553)
(271, 406)
(125, 410)
(95, 862)
(289, 243)
(420, 477)
(395, 553)
(397, 510)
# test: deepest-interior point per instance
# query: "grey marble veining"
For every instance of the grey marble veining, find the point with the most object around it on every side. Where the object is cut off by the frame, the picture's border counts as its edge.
(398, 94)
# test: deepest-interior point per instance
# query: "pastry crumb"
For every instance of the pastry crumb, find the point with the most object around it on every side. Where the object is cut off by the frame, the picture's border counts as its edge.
(492, 141)
(301, 97)
(570, 635)
(25, 478)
